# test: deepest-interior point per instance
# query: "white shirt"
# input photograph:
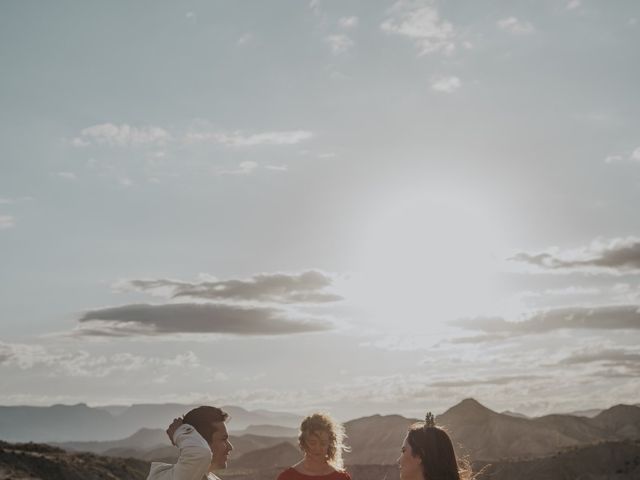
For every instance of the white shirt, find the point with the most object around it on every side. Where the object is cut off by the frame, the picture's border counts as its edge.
(193, 462)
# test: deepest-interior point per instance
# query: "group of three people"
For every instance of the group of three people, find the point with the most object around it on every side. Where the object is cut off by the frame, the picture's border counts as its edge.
(203, 440)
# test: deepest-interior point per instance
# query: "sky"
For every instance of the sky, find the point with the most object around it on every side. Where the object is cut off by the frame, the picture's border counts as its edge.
(354, 206)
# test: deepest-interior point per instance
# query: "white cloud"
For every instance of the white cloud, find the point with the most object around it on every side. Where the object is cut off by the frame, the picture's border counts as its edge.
(614, 159)
(67, 175)
(314, 5)
(634, 156)
(125, 182)
(515, 26)
(244, 39)
(83, 364)
(277, 168)
(339, 43)
(239, 139)
(446, 84)
(190, 15)
(6, 221)
(121, 136)
(245, 168)
(348, 22)
(80, 142)
(421, 22)
(11, 201)
(573, 4)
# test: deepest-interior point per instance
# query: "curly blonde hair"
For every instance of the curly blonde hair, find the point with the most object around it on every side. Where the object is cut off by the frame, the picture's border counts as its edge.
(322, 422)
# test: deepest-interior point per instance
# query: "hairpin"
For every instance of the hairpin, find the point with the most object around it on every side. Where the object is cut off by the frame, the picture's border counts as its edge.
(429, 420)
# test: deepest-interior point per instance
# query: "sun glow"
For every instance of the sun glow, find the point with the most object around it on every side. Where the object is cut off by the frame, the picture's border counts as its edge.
(429, 258)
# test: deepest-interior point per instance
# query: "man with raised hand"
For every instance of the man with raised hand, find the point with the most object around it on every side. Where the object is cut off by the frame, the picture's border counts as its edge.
(204, 445)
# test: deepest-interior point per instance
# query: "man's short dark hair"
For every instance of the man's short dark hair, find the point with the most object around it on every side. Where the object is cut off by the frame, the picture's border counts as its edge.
(203, 418)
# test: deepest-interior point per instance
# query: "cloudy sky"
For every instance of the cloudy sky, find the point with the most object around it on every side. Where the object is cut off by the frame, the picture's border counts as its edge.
(360, 206)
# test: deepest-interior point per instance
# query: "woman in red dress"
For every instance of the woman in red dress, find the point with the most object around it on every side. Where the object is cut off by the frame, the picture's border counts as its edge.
(321, 441)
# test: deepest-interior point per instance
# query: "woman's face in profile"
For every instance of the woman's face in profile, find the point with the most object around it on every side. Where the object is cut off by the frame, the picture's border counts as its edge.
(317, 444)
(410, 465)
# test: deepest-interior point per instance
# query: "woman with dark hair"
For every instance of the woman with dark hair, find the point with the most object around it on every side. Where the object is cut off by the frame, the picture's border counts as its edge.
(427, 454)
(321, 441)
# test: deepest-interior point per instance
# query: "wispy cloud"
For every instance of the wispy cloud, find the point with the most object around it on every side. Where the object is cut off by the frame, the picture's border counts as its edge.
(421, 22)
(607, 317)
(277, 168)
(305, 287)
(67, 175)
(339, 43)
(253, 306)
(634, 156)
(244, 168)
(566, 291)
(614, 256)
(515, 26)
(348, 22)
(7, 221)
(245, 39)
(467, 382)
(573, 4)
(110, 135)
(620, 362)
(58, 361)
(144, 319)
(314, 6)
(610, 356)
(446, 84)
(12, 201)
(240, 139)
(123, 135)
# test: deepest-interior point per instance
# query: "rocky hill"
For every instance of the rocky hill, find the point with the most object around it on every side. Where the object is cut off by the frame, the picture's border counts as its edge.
(42, 462)
(281, 455)
(605, 461)
(482, 434)
(486, 435)
(375, 440)
(153, 445)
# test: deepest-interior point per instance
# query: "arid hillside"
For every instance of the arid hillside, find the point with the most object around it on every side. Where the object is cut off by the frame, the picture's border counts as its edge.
(605, 461)
(32, 461)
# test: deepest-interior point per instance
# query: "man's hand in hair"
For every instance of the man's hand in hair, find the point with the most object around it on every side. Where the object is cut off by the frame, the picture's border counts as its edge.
(173, 427)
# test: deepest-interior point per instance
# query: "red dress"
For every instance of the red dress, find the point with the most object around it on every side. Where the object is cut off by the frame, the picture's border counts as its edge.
(292, 474)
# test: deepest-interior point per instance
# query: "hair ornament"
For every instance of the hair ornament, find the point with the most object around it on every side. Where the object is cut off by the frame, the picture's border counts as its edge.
(429, 420)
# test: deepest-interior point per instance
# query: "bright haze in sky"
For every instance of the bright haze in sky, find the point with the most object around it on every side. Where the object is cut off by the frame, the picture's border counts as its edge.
(358, 206)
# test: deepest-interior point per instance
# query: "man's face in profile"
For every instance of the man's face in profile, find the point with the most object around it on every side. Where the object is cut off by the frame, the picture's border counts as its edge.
(220, 446)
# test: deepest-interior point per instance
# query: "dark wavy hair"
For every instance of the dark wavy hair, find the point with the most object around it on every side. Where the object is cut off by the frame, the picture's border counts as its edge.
(203, 418)
(433, 445)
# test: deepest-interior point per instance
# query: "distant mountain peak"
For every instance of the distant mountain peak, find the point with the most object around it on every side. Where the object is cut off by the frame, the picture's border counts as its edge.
(469, 407)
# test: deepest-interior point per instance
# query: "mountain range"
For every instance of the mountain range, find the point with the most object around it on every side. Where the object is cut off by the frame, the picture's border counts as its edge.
(63, 423)
(477, 431)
